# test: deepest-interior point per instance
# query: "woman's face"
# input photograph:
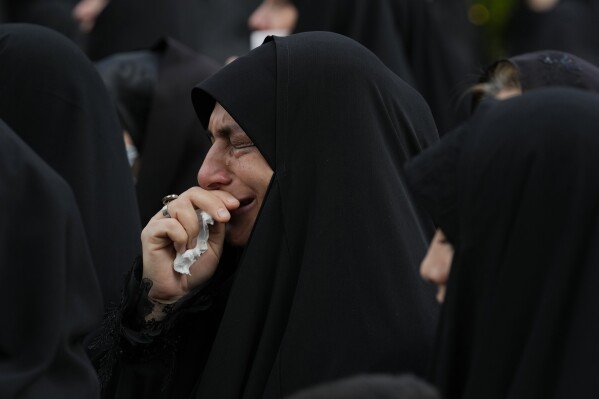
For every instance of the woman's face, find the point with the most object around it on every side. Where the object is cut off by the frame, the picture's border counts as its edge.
(436, 264)
(233, 164)
(508, 92)
(274, 14)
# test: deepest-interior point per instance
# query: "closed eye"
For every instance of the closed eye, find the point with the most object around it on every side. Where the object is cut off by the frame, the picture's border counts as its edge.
(242, 146)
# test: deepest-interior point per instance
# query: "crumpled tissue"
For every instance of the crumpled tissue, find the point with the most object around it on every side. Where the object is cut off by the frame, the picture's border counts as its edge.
(184, 261)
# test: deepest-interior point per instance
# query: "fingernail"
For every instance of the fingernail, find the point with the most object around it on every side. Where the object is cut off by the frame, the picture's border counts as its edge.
(232, 200)
(222, 212)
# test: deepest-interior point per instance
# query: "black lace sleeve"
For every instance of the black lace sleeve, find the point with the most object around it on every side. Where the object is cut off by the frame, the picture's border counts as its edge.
(126, 335)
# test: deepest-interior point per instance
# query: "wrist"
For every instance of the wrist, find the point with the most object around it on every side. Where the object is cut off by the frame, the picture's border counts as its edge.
(159, 310)
(159, 297)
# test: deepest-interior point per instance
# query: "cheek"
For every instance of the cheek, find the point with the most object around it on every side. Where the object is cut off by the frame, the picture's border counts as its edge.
(265, 178)
(448, 259)
(259, 172)
(443, 258)
(260, 184)
(255, 173)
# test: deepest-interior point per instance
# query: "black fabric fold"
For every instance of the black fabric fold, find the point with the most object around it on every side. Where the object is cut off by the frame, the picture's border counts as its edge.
(519, 315)
(372, 23)
(130, 348)
(334, 253)
(433, 178)
(50, 294)
(175, 143)
(151, 90)
(328, 284)
(555, 68)
(55, 101)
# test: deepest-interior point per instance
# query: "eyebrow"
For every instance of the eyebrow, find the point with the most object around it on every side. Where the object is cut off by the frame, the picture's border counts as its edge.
(226, 130)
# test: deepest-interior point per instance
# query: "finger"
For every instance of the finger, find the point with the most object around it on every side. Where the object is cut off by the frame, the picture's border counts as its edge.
(164, 232)
(216, 238)
(182, 210)
(159, 215)
(229, 201)
(215, 203)
(216, 228)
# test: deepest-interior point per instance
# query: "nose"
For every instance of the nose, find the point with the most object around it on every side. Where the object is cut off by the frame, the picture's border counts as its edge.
(214, 173)
(436, 264)
(432, 270)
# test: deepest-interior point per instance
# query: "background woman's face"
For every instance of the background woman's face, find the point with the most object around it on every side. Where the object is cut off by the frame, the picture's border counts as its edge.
(274, 14)
(436, 264)
(233, 164)
(508, 92)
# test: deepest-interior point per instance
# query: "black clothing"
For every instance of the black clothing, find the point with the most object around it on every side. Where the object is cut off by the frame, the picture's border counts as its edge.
(372, 386)
(519, 316)
(217, 29)
(135, 358)
(429, 44)
(49, 290)
(53, 14)
(130, 25)
(555, 68)
(571, 25)
(433, 178)
(170, 163)
(439, 164)
(54, 99)
(130, 79)
(541, 69)
(151, 89)
(445, 54)
(352, 126)
(372, 23)
(328, 284)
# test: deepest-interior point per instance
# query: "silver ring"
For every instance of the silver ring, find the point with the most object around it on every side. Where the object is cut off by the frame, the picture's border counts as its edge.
(165, 211)
(168, 198)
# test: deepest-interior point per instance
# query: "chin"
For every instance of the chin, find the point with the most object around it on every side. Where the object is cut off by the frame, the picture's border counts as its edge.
(237, 240)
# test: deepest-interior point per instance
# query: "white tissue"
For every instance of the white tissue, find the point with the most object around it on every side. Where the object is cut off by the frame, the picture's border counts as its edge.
(184, 261)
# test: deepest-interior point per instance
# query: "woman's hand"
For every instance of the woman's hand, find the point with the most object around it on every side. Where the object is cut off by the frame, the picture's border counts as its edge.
(164, 237)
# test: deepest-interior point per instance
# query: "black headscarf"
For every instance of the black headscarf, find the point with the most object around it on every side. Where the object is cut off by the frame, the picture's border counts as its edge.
(129, 25)
(151, 89)
(48, 285)
(430, 175)
(53, 14)
(568, 26)
(130, 79)
(372, 23)
(328, 284)
(519, 316)
(217, 29)
(54, 99)
(445, 54)
(535, 70)
(555, 68)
